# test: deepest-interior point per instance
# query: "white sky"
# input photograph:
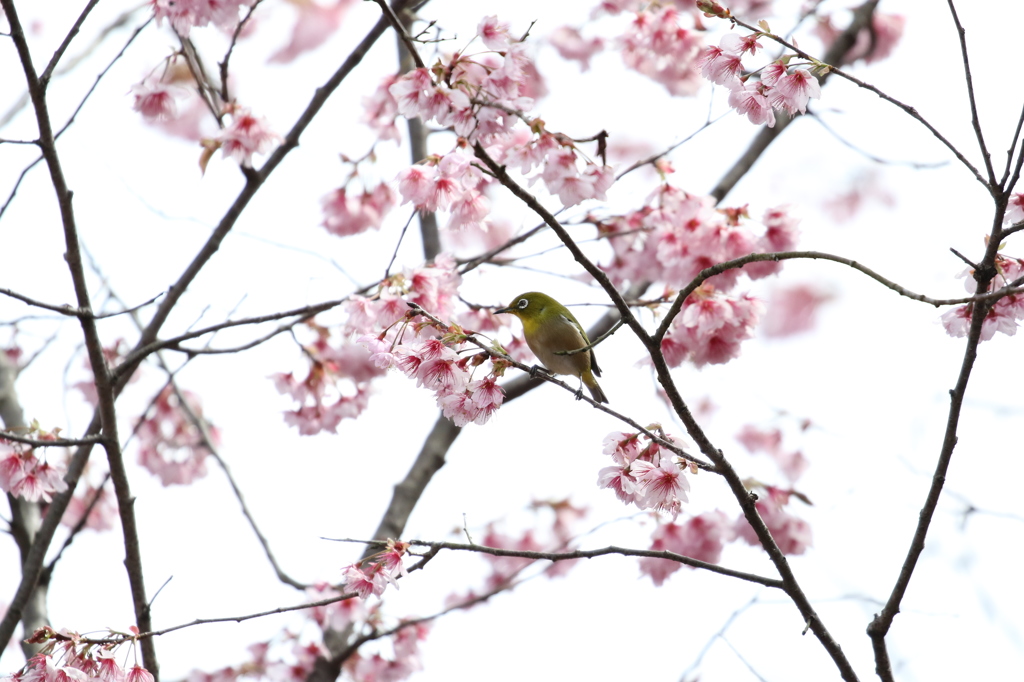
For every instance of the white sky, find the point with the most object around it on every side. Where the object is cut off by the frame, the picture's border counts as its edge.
(873, 377)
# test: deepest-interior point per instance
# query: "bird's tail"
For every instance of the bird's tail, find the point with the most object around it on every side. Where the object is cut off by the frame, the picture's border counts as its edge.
(595, 389)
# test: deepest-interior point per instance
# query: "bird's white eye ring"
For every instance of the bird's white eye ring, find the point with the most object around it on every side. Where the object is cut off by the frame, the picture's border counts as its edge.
(523, 302)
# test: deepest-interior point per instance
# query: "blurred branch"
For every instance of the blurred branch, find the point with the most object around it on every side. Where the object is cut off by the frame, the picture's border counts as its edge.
(26, 516)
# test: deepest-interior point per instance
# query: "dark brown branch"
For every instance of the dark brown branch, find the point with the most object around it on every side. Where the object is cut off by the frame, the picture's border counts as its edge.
(132, 360)
(45, 443)
(231, 48)
(983, 275)
(44, 78)
(975, 121)
(396, 24)
(718, 269)
(605, 551)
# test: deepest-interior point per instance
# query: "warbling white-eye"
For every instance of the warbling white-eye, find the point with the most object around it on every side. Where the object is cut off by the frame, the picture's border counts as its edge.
(549, 327)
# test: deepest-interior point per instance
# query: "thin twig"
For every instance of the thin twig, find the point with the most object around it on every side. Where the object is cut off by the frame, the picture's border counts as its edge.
(44, 78)
(975, 121)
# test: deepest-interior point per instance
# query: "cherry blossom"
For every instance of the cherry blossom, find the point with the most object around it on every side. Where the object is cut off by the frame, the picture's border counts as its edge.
(315, 24)
(157, 100)
(571, 45)
(494, 33)
(1015, 208)
(246, 135)
(184, 15)
(171, 445)
(103, 514)
(659, 48)
(345, 215)
(702, 537)
(23, 474)
(793, 309)
(791, 534)
(644, 473)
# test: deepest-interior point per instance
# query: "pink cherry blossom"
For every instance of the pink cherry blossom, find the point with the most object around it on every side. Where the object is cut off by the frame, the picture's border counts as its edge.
(793, 309)
(380, 110)
(345, 215)
(246, 135)
(102, 516)
(315, 24)
(416, 184)
(660, 486)
(793, 91)
(156, 100)
(658, 47)
(619, 479)
(721, 66)
(791, 534)
(702, 537)
(171, 446)
(1015, 208)
(749, 100)
(494, 33)
(571, 45)
(184, 15)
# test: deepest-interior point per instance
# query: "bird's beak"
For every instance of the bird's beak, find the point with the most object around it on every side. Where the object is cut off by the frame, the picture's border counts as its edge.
(503, 310)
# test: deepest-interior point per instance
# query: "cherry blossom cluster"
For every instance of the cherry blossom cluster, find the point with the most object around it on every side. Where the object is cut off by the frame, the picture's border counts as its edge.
(701, 537)
(657, 46)
(710, 327)
(672, 240)
(373, 574)
(242, 137)
(65, 657)
(479, 95)
(482, 99)
(704, 536)
(96, 504)
(505, 570)
(347, 214)
(336, 385)
(184, 15)
(678, 234)
(24, 474)
(1003, 316)
(171, 445)
(792, 534)
(791, 463)
(449, 183)
(645, 473)
(436, 365)
(398, 326)
(290, 656)
(778, 85)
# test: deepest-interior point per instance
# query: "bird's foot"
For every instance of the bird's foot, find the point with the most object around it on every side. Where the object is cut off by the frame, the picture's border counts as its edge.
(537, 369)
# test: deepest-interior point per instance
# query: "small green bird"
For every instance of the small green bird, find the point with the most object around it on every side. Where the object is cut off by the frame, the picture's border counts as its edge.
(549, 327)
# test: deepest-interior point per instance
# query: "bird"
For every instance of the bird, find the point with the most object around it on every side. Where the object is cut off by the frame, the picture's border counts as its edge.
(548, 326)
